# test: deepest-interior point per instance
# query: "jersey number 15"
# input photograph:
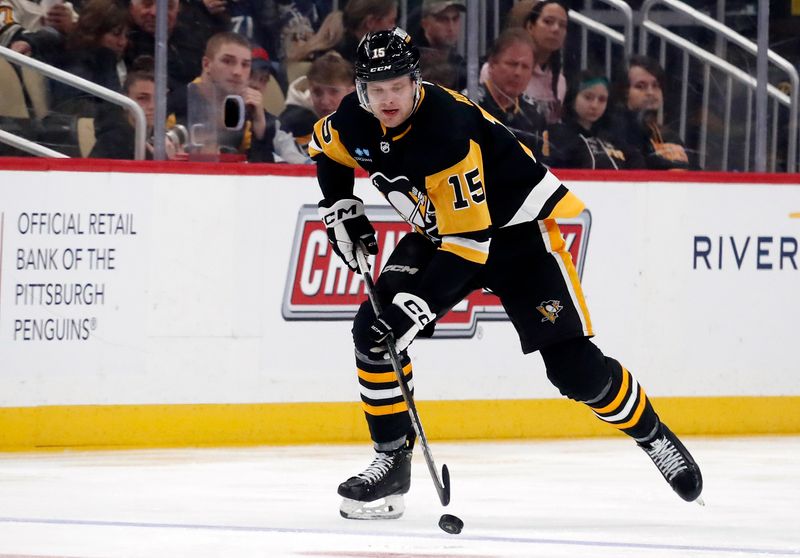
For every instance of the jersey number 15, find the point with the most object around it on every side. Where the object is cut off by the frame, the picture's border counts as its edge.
(474, 185)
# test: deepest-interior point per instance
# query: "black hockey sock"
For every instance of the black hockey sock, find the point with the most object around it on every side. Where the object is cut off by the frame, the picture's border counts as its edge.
(382, 401)
(624, 405)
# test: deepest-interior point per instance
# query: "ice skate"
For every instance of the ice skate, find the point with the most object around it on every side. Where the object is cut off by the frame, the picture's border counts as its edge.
(676, 464)
(377, 492)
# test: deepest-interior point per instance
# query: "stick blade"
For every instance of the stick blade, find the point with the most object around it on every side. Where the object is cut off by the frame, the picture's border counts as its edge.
(444, 494)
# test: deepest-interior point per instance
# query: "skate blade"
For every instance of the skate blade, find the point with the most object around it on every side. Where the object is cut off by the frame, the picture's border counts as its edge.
(391, 507)
(700, 501)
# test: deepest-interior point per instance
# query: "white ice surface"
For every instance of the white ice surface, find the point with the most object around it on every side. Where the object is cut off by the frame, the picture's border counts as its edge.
(594, 498)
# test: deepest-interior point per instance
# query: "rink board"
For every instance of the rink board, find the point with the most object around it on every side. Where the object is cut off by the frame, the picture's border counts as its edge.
(143, 306)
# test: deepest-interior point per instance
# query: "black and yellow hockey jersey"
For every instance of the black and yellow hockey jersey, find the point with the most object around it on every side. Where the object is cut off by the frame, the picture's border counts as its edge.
(451, 170)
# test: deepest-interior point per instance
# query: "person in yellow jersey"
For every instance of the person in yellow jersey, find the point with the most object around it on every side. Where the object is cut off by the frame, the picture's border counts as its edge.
(483, 211)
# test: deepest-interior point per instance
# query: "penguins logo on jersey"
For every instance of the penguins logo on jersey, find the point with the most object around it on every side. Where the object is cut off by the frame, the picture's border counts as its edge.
(411, 203)
(550, 309)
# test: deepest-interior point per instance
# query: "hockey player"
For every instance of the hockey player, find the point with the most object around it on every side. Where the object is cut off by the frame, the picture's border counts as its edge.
(483, 211)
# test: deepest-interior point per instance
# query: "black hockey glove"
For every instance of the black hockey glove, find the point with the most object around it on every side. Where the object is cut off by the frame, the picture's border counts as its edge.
(348, 229)
(404, 319)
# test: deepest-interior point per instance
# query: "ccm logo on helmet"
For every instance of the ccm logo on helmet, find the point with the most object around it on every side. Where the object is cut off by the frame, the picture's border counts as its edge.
(379, 69)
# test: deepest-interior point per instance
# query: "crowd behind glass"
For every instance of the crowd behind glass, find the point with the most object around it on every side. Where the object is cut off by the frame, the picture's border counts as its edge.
(290, 63)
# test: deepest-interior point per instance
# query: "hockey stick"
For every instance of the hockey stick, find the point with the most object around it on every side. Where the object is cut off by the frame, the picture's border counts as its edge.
(442, 484)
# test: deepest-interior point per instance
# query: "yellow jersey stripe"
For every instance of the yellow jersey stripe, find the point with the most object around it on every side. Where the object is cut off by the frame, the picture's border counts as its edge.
(568, 206)
(468, 254)
(332, 145)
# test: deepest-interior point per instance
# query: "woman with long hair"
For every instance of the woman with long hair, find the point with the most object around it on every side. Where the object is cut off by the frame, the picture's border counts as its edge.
(547, 25)
(583, 139)
(94, 51)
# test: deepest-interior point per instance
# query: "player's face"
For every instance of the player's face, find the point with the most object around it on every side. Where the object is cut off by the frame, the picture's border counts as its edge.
(511, 70)
(644, 91)
(392, 100)
(590, 104)
(326, 97)
(442, 29)
(229, 68)
(550, 29)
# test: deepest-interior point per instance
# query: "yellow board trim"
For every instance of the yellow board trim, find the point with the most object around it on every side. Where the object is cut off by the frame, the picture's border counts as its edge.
(92, 426)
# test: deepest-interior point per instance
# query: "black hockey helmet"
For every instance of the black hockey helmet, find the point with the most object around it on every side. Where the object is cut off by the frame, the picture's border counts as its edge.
(385, 55)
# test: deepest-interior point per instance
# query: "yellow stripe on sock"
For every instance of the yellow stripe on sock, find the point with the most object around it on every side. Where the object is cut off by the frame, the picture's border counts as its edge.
(382, 410)
(637, 414)
(382, 377)
(623, 389)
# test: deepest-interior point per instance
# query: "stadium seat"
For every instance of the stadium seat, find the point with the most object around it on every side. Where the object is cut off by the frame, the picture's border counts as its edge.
(12, 98)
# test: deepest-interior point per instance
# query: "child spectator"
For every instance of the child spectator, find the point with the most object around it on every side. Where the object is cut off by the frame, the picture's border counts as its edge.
(316, 95)
(115, 134)
(501, 94)
(583, 140)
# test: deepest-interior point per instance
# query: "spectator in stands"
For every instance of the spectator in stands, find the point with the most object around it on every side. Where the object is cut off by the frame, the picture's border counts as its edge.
(303, 34)
(547, 25)
(435, 67)
(94, 51)
(115, 134)
(441, 27)
(316, 95)
(254, 19)
(361, 17)
(518, 13)
(226, 71)
(501, 94)
(637, 120)
(584, 140)
(184, 47)
(26, 27)
(546, 22)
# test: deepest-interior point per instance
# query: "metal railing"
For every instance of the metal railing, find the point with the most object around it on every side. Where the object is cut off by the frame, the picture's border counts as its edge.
(624, 39)
(731, 73)
(140, 123)
(29, 146)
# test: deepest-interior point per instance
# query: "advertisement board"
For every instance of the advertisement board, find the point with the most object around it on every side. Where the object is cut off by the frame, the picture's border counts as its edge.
(143, 286)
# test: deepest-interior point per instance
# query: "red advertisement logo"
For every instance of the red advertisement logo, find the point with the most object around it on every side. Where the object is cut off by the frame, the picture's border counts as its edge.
(320, 286)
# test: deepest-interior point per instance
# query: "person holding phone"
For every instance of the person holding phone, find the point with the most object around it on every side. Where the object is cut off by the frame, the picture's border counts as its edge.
(227, 66)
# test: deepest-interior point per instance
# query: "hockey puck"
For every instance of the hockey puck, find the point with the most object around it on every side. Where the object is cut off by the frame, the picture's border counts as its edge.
(450, 524)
